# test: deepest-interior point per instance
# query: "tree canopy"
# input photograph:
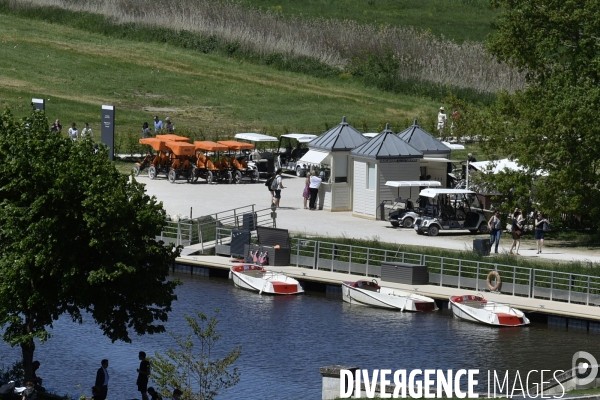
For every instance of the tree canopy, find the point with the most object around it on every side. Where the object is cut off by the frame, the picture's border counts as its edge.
(76, 237)
(553, 126)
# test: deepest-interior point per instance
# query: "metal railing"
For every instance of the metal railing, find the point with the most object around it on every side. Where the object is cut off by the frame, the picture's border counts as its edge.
(446, 271)
(203, 230)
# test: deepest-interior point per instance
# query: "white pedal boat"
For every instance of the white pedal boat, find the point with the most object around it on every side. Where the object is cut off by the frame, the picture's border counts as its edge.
(477, 309)
(258, 279)
(369, 293)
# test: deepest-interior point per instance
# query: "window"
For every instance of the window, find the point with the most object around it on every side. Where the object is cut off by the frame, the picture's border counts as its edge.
(371, 176)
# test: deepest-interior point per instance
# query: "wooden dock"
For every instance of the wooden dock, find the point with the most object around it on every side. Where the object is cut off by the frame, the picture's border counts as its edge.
(573, 316)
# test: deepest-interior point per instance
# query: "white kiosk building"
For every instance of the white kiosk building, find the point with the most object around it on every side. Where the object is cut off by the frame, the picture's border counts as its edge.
(330, 153)
(383, 158)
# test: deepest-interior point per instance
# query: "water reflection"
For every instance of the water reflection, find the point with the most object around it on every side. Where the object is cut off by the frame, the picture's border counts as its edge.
(286, 339)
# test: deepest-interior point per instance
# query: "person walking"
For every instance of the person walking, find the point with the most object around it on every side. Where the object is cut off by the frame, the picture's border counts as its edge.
(169, 126)
(146, 133)
(495, 230)
(158, 125)
(102, 380)
(315, 183)
(517, 231)
(306, 191)
(442, 117)
(73, 132)
(86, 132)
(277, 186)
(143, 375)
(539, 231)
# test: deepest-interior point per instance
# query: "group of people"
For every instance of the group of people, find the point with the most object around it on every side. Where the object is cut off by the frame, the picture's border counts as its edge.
(311, 189)
(443, 118)
(73, 132)
(100, 388)
(517, 225)
(159, 127)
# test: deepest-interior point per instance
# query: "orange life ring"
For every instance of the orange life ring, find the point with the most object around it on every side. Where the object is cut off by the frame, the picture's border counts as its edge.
(498, 284)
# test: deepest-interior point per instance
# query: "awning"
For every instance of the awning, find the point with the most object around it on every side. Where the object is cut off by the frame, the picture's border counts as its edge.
(399, 184)
(314, 157)
(439, 160)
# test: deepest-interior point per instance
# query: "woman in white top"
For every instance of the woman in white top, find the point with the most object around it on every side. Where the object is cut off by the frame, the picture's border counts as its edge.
(313, 187)
(73, 132)
(86, 132)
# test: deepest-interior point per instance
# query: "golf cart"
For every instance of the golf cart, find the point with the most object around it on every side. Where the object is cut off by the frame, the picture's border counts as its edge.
(450, 209)
(264, 160)
(292, 146)
(403, 212)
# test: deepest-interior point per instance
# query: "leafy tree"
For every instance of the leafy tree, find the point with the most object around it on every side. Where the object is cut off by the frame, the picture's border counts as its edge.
(196, 371)
(553, 125)
(76, 236)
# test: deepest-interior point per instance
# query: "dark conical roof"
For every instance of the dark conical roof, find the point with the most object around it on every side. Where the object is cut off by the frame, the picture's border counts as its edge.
(386, 145)
(422, 140)
(342, 137)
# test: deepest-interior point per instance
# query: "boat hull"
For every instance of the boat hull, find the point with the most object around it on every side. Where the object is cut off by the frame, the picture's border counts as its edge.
(268, 282)
(388, 298)
(487, 312)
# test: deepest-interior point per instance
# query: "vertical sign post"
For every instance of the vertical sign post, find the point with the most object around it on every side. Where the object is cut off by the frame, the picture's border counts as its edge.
(39, 104)
(107, 122)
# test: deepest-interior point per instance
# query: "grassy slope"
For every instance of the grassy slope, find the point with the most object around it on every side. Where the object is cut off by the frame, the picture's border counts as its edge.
(458, 20)
(78, 72)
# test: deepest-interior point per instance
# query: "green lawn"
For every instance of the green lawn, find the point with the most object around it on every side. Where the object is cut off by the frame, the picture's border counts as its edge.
(206, 95)
(458, 20)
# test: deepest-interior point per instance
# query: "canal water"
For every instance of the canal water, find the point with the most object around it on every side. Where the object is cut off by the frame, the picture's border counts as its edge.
(286, 339)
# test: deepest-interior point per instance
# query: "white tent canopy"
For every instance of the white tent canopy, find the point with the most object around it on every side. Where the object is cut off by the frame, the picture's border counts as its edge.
(454, 146)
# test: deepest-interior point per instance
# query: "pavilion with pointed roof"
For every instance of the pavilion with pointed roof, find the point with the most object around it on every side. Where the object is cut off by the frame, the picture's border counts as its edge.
(329, 153)
(383, 158)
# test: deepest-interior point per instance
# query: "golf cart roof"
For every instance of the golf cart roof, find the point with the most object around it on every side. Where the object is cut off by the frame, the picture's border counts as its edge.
(235, 145)
(207, 145)
(412, 183)
(301, 137)
(173, 138)
(157, 144)
(256, 137)
(434, 192)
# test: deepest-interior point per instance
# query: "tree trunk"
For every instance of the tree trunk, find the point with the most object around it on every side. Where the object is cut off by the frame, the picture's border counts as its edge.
(27, 350)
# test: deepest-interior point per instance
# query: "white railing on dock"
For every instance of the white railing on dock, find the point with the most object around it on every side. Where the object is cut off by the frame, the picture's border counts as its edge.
(203, 230)
(445, 271)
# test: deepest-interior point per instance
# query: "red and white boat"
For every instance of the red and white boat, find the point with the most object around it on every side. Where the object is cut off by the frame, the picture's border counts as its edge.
(477, 309)
(258, 279)
(369, 293)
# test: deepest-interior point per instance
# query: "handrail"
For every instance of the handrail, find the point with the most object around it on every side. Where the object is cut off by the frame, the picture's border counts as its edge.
(448, 271)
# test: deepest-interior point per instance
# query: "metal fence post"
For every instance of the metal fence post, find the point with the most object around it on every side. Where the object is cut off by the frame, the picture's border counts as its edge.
(316, 255)
(350, 260)
(459, 272)
(570, 287)
(178, 233)
(367, 268)
(551, 284)
(514, 279)
(532, 283)
(587, 302)
(441, 271)
(477, 277)
(297, 248)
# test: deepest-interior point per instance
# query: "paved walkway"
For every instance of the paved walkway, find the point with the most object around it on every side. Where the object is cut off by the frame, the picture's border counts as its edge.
(203, 199)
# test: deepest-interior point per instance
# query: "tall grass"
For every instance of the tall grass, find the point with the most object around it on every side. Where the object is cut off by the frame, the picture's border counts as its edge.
(419, 55)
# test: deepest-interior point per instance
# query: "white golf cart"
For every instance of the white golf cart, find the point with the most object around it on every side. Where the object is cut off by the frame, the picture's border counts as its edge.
(450, 209)
(262, 158)
(402, 212)
(292, 146)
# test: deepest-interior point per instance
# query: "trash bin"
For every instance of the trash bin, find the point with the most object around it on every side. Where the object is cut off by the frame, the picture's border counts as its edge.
(482, 247)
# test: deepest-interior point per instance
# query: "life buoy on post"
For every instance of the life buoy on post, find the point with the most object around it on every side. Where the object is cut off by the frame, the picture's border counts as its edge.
(498, 284)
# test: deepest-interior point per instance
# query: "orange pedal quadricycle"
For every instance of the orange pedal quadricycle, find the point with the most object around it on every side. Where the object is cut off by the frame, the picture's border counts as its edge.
(205, 168)
(158, 163)
(181, 154)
